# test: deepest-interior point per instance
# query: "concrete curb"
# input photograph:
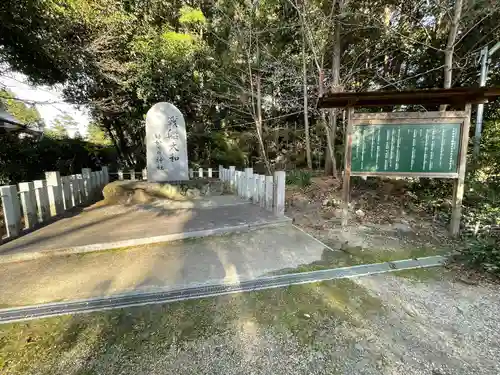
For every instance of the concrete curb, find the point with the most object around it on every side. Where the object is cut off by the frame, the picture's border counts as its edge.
(10, 315)
(21, 257)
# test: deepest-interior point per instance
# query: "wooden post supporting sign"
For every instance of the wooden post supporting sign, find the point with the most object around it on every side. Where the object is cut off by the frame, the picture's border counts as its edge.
(347, 168)
(408, 144)
(458, 185)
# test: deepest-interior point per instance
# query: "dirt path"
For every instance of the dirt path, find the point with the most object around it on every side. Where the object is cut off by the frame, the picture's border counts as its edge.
(385, 222)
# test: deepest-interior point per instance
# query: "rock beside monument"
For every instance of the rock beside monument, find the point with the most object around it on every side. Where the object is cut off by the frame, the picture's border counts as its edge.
(137, 192)
(119, 192)
(193, 193)
(140, 196)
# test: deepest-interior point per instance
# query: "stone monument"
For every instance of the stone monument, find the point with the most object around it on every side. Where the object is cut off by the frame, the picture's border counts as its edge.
(166, 145)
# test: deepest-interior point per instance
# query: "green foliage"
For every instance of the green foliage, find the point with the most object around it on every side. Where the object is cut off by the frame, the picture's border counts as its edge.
(96, 135)
(42, 38)
(26, 159)
(214, 148)
(299, 178)
(59, 129)
(120, 57)
(24, 114)
(191, 16)
(488, 162)
(483, 254)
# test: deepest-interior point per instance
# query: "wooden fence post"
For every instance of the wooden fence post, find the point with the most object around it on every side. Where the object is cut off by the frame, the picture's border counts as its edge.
(279, 193)
(94, 183)
(238, 183)
(262, 190)
(255, 191)
(66, 192)
(269, 193)
(81, 188)
(248, 183)
(55, 192)
(75, 190)
(105, 173)
(232, 176)
(11, 210)
(42, 200)
(28, 202)
(87, 184)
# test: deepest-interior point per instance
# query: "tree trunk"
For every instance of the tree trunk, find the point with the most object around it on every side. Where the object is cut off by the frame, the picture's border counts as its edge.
(306, 110)
(123, 144)
(335, 88)
(115, 142)
(257, 108)
(258, 122)
(330, 154)
(450, 46)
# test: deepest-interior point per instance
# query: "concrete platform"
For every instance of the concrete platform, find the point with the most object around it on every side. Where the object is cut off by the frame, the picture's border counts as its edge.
(177, 265)
(118, 226)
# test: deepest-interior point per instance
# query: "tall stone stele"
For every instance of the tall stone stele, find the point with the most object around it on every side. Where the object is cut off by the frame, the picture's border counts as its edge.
(166, 144)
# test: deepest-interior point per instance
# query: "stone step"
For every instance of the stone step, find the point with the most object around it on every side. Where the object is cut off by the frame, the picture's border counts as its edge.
(112, 227)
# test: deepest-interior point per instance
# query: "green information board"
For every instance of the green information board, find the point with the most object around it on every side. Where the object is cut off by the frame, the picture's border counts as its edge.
(406, 148)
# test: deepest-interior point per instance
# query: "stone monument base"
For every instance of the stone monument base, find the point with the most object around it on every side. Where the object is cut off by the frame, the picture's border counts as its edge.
(120, 192)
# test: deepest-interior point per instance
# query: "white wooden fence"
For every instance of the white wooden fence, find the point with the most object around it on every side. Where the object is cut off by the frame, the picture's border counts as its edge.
(266, 191)
(38, 201)
(132, 174)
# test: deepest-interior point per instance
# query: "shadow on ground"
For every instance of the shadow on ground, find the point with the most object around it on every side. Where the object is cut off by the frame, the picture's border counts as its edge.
(421, 323)
(119, 340)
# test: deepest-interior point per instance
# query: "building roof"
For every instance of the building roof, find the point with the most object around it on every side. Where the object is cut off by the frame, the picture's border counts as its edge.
(10, 123)
(454, 96)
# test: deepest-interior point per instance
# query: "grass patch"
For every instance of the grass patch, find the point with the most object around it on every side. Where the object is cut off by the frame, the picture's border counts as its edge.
(482, 254)
(390, 255)
(300, 178)
(356, 255)
(85, 344)
(305, 309)
(422, 274)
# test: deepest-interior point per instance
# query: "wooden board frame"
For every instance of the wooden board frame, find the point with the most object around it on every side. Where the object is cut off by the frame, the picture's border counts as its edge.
(409, 118)
(401, 118)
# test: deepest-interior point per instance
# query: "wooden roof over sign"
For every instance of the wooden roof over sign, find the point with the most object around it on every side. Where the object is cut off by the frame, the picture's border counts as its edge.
(454, 96)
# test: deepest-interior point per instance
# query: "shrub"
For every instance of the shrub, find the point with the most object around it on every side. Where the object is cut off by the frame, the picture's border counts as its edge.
(482, 254)
(27, 159)
(299, 178)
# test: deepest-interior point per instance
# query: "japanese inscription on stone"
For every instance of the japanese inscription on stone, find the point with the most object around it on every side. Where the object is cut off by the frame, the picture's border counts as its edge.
(414, 148)
(166, 144)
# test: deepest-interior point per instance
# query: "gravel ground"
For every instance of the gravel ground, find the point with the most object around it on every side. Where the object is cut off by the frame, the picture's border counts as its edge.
(418, 322)
(437, 328)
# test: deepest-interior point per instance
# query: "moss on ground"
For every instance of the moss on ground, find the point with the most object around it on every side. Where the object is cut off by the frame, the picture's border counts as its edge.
(352, 256)
(423, 274)
(41, 346)
(390, 255)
